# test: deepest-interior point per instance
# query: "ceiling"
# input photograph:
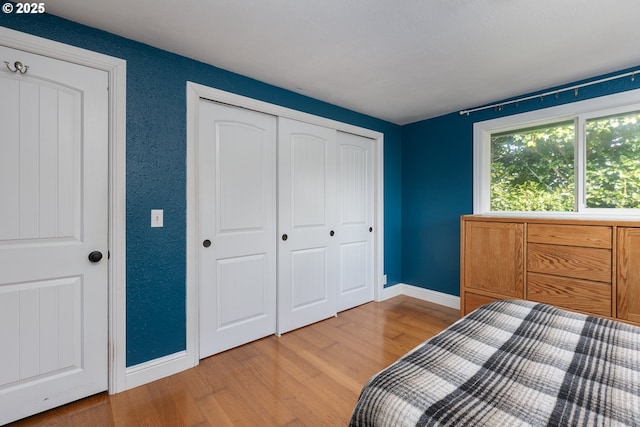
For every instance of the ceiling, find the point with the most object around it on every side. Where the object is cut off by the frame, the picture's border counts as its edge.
(397, 60)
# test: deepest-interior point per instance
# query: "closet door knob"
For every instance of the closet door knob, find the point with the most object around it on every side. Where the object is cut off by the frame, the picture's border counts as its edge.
(95, 256)
(285, 237)
(331, 233)
(206, 243)
(370, 229)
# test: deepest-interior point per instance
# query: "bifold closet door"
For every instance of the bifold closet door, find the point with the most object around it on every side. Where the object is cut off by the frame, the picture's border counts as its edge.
(236, 179)
(355, 198)
(307, 242)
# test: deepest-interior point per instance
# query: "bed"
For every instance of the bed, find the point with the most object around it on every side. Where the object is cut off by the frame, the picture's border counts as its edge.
(512, 363)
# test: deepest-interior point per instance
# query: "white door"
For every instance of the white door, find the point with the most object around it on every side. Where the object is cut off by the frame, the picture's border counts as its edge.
(236, 161)
(355, 220)
(307, 245)
(53, 214)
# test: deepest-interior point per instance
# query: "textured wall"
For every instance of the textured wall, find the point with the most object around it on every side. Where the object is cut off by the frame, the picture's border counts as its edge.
(437, 185)
(156, 173)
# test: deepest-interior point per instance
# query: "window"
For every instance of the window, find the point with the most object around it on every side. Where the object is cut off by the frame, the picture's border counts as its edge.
(613, 162)
(533, 169)
(577, 158)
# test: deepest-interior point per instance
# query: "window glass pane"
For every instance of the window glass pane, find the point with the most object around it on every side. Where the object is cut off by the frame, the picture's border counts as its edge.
(613, 161)
(533, 169)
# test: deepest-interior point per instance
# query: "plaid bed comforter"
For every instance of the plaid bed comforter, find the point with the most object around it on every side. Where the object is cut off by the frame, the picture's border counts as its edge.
(512, 363)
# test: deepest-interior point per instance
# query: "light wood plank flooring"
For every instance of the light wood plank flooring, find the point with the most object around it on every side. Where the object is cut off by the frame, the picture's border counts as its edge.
(308, 377)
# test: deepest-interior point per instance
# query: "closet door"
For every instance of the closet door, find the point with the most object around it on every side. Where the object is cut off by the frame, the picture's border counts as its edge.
(236, 179)
(307, 244)
(355, 220)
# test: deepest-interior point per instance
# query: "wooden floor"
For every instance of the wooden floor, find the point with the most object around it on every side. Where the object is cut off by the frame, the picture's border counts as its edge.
(308, 377)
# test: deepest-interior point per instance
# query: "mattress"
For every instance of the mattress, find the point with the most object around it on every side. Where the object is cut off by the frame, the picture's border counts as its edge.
(512, 363)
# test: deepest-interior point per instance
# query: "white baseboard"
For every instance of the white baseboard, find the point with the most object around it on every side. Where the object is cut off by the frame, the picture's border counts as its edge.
(435, 297)
(156, 369)
(390, 292)
(172, 364)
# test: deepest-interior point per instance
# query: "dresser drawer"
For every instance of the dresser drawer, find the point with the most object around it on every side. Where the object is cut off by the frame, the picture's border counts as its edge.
(570, 261)
(590, 236)
(573, 294)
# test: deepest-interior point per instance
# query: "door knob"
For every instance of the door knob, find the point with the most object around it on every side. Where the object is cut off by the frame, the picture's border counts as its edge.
(95, 256)
(285, 237)
(370, 229)
(206, 243)
(331, 233)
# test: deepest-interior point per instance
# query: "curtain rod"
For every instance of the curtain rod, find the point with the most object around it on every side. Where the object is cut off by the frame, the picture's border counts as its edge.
(574, 88)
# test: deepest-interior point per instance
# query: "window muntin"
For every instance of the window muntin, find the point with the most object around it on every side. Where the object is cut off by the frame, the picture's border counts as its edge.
(613, 161)
(533, 169)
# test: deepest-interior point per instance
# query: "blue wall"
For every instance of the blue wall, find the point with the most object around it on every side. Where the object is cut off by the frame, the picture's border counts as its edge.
(156, 172)
(437, 184)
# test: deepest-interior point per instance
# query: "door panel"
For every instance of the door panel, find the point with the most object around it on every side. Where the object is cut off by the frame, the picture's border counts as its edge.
(353, 268)
(240, 169)
(307, 256)
(40, 154)
(53, 213)
(308, 181)
(355, 189)
(494, 258)
(42, 332)
(309, 275)
(628, 274)
(236, 152)
(241, 291)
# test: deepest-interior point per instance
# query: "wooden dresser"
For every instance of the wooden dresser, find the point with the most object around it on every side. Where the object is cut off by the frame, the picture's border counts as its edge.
(590, 266)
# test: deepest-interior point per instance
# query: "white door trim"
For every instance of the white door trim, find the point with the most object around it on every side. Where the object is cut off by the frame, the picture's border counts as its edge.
(194, 93)
(116, 68)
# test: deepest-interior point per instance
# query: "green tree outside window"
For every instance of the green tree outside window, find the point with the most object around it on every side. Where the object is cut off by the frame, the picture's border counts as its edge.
(533, 169)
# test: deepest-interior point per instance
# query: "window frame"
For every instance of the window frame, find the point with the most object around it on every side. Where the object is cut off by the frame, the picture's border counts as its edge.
(580, 112)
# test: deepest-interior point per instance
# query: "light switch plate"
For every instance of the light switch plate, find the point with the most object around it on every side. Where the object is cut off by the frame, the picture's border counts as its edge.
(157, 218)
